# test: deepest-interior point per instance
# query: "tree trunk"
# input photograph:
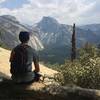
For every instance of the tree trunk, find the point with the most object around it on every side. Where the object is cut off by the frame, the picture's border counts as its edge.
(73, 52)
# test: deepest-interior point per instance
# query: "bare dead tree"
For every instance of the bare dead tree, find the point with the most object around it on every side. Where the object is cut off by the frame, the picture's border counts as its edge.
(73, 41)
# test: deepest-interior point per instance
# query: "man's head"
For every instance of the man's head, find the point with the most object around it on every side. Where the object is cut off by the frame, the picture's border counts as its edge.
(24, 36)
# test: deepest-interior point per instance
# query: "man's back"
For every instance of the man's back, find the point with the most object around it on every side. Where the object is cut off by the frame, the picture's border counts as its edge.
(21, 60)
(23, 55)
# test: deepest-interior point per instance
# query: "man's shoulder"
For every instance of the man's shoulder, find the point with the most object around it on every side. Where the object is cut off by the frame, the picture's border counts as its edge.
(28, 46)
(31, 48)
(16, 47)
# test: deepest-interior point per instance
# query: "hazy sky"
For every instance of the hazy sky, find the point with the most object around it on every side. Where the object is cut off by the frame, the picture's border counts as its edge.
(65, 11)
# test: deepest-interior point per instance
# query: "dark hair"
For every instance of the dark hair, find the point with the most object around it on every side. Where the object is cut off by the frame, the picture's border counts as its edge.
(24, 36)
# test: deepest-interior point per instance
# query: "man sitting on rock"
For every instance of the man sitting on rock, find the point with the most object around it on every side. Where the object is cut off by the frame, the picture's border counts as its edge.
(21, 60)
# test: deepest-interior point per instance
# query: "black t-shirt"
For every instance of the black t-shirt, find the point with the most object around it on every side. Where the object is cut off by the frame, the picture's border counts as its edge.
(16, 64)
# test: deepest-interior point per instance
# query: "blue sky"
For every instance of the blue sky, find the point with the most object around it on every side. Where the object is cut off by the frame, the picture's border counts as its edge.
(65, 11)
(13, 4)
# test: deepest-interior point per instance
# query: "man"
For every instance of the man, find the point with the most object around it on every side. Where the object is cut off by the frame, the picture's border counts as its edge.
(21, 60)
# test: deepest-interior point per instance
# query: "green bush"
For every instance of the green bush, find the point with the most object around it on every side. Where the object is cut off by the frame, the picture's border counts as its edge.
(83, 72)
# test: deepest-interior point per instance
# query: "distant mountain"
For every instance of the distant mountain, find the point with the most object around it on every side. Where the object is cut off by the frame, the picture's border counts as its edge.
(9, 31)
(51, 32)
(95, 28)
(56, 37)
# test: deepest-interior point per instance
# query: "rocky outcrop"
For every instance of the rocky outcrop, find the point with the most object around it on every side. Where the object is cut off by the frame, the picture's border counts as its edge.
(73, 93)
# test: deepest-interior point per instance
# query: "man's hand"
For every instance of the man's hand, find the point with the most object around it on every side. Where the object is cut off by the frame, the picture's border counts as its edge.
(37, 76)
(37, 67)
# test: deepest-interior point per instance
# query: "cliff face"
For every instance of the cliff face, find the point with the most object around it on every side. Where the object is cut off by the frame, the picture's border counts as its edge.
(10, 29)
(52, 33)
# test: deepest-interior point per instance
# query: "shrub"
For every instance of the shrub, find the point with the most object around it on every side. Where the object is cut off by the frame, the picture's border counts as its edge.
(84, 72)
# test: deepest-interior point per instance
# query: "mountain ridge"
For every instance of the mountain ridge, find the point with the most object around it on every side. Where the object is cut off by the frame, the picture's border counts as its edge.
(49, 26)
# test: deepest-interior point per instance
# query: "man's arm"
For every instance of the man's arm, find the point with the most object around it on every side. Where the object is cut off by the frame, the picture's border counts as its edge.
(36, 62)
(12, 56)
(37, 68)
